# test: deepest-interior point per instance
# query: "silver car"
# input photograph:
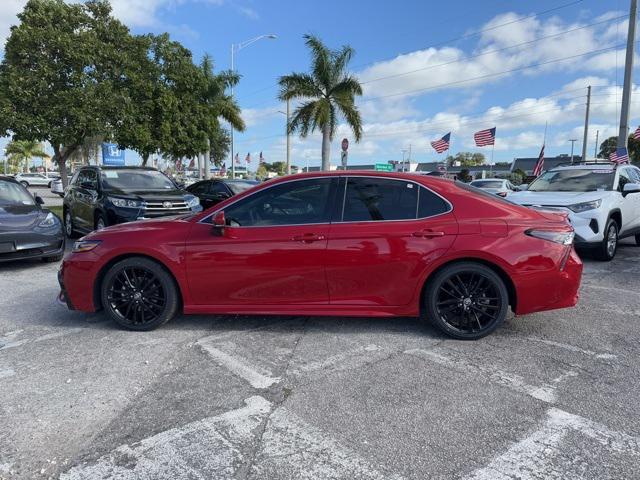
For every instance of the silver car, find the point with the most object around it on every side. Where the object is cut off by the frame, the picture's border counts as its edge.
(495, 185)
(56, 187)
(33, 179)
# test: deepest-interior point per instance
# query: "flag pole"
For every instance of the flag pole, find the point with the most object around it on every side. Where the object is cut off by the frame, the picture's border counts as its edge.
(544, 138)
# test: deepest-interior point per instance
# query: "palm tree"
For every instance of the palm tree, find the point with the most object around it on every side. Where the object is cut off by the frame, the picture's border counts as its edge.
(21, 151)
(328, 90)
(221, 106)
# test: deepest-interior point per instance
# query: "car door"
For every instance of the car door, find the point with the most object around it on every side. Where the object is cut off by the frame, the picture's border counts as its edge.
(633, 199)
(86, 196)
(628, 204)
(272, 250)
(383, 240)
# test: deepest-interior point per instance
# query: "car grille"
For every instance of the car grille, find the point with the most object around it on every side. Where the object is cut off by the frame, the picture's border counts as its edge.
(162, 208)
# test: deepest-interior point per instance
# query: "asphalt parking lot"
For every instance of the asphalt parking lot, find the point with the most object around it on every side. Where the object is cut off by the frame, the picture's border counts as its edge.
(550, 395)
(50, 199)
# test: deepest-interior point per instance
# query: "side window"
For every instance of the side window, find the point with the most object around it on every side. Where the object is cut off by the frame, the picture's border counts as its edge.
(92, 178)
(624, 178)
(74, 179)
(635, 175)
(219, 187)
(292, 203)
(200, 188)
(430, 204)
(376, 199)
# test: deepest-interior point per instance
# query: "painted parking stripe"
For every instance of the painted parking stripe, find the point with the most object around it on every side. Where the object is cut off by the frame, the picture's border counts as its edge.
(573, 348)
(352, 358)
(258, 377)
(545, 393)
(8, 342)
(533, 457)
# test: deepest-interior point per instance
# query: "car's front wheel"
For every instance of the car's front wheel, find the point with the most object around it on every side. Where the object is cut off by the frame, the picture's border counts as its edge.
(609, 245)
(466, 300)
(68, 225)
(139, 294)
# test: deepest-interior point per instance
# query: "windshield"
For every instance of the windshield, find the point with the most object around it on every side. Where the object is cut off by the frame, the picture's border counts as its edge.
(574, 180)
(135, 180)
(12, 194)
(487, 183)
(239, 187)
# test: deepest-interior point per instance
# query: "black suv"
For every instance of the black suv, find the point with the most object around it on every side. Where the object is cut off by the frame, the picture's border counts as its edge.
(101, 196)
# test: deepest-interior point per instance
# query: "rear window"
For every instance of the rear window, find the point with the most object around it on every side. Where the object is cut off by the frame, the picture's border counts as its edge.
(487, 183)
(597, 178)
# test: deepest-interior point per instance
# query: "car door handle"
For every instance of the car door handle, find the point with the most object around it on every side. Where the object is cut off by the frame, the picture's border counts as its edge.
(428, 234)
(308, 238)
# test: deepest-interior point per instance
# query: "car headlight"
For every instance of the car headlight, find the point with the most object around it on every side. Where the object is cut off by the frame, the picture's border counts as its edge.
(563, 238)
(49, 221)
(125, 202)
(84, 245)
(192, 201)
(584, 206)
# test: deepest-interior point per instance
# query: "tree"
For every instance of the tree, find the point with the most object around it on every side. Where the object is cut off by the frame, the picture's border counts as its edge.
(262, 171)
(608, 146)
(464, 176)
(58, 73)
(19, 152)
(466, 159)
(219, 146)
(327, 91)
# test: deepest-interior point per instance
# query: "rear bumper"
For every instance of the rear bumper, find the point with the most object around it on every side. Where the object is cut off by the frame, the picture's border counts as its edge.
(558, 288)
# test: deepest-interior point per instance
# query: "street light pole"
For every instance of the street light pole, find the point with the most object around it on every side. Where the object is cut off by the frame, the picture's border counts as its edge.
(628, 70)
(573, 141)
(288, 140)
(236, 47)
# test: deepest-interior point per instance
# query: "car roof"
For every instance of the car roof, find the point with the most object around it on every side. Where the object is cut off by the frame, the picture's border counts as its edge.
(585, 166)
(113, 167)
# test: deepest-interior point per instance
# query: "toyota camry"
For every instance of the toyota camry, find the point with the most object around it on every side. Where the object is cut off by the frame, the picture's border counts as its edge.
(348, 244)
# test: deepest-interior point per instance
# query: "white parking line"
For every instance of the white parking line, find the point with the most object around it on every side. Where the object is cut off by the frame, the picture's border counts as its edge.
(573, 348)
(533, 457)
(545, 393)
(348, 359)
(258, 377)
(219, 448)
(7, 342)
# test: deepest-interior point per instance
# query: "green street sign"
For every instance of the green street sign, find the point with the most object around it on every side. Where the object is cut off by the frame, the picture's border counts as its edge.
(384, 167)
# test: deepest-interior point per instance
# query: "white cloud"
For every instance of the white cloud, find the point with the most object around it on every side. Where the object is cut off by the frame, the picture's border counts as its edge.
(9, 10)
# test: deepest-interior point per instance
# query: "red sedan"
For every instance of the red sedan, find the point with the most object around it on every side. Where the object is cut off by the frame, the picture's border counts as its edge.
(349, 244)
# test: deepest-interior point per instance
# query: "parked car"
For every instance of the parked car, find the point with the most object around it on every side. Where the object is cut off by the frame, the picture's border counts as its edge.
(56, 187)
(602, 201)
(334, 243)
(26, 229)
(34, 180)
(496, 186)
(212, 192)
(101, 196)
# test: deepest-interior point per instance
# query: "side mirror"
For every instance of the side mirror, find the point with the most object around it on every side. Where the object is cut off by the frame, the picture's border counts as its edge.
(631, 188)
(219, 222)
(39, 200)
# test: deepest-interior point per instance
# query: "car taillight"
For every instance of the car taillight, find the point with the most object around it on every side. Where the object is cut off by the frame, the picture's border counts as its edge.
(563, 238)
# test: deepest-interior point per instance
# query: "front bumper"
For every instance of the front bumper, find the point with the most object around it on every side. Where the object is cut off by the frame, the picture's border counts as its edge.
(63, 298)
(25, 245)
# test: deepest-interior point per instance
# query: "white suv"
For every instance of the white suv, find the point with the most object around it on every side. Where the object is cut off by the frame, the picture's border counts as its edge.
(34, 179)
(602, 200)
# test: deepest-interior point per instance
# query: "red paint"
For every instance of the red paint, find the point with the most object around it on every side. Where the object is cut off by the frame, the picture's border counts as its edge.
(355, 269)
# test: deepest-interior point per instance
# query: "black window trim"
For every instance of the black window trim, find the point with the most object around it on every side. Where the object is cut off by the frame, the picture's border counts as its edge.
(420, 185)
(206, 220)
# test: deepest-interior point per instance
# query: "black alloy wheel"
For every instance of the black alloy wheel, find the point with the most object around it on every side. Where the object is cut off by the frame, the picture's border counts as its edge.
(139, 294)
(467, 300)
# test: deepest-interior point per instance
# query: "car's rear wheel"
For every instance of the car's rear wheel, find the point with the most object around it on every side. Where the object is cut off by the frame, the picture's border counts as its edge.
(609, 245)
(139, 294)
(466, 300)
(24, 184)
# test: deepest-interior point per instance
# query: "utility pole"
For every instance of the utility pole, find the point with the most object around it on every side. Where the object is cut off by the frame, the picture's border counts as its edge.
(586, 125)
(573, 141)
(628, 70)
(595, 150)
(403, 153)
(288, 141)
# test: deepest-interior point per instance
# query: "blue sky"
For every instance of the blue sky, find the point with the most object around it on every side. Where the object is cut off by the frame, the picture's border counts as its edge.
(457, 84)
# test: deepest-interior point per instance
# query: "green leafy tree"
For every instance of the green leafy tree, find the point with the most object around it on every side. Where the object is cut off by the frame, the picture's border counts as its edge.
(464, 175)
(58, 74)
(20, 152)
(219, 146)
(325, 93)
(608, 146)
(466, 159)
(262, 171)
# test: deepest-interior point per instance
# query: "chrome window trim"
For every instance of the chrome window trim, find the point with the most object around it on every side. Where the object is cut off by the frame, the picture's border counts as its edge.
(346, 177)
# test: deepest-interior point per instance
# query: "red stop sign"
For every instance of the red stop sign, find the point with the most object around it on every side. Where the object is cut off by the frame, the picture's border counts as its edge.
(345, 144)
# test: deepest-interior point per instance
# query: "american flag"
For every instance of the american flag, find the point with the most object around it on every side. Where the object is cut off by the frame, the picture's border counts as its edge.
(442, 144)
(620, 156)
(237, 159)
(261, 158)
(537, 170)
(248, 158)
(179, 165)
(192, 164)
(636, 133)
(485, 137)
(223, 170)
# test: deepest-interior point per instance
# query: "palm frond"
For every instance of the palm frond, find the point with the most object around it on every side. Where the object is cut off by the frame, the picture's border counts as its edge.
(347, 86)
(321, 60)
(351, 115)
(303, 118)
(298, 85)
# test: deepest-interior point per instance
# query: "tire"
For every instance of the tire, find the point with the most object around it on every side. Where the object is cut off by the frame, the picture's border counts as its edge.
(24, 184)
(124, 298)
(466, 300)
(100, 222)
(609, 245)
(49, 185)
(638, 240)
(69, 229)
